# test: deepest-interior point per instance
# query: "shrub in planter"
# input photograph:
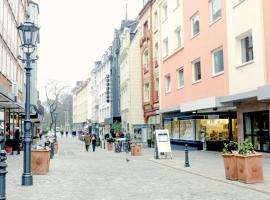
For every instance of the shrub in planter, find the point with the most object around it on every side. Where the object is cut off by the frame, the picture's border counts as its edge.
(110, 143)
(249, 164)
(230, 163)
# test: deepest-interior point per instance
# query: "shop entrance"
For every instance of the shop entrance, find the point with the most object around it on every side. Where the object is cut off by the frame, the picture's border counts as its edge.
(256, 129)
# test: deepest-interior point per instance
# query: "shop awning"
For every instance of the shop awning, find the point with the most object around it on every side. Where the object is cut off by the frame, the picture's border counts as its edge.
(261, 94)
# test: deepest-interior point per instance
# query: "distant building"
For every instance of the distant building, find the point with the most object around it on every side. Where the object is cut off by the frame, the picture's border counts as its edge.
(81, 95)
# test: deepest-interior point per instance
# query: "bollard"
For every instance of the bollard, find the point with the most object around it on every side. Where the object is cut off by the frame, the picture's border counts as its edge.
(52, 150)
(156, 152)
(186, 156)
(3, 172)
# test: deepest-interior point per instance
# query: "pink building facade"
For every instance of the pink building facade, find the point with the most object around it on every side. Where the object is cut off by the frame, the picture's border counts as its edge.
(206, 91)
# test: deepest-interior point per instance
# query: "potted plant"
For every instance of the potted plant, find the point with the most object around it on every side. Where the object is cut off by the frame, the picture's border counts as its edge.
(249, 164)
(40, 161)
(110, 144)
(230, 164)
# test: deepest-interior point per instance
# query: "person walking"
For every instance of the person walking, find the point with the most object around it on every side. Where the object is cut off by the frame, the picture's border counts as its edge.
(87, 141)
(94, 142)
(16, 143)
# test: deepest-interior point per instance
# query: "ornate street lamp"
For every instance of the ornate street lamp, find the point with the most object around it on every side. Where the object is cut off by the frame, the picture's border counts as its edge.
(29, 35)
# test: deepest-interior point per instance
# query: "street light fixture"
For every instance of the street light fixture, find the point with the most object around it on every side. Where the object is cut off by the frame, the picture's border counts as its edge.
(29, 35)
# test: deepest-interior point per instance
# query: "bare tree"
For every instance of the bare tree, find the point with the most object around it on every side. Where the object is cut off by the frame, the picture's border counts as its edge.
(53, 90)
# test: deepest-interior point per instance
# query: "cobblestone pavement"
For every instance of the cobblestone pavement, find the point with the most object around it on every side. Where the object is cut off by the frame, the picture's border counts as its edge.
(102, 175)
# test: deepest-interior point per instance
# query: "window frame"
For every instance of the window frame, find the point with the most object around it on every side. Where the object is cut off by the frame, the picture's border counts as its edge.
(178, 77)
(168, 87)
(192, 24)
(214, 73)
(164, 11)
(193, 71)
(248, 35)
(165, 48)
(211, 11)
(178, 37)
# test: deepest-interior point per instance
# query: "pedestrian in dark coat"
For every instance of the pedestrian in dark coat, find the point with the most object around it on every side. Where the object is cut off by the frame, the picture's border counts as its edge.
(16, 144)
(94, 139)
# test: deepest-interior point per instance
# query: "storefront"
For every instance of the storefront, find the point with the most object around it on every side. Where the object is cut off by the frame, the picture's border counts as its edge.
(253, 118)
(215, 128)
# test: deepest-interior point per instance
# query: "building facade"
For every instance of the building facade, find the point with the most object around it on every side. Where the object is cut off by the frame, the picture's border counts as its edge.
(104, 78)
(150, 70)
(248, 36)
(130, 83)
(81, 96)
(13, 13)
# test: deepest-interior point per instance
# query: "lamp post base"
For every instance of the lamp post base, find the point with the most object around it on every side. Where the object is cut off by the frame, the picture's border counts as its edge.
(27, 179)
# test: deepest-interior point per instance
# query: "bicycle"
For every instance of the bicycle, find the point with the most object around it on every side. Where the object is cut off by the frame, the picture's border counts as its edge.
(117, 147)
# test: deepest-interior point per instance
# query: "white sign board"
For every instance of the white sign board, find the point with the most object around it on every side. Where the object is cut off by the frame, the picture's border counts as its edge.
(163, 141)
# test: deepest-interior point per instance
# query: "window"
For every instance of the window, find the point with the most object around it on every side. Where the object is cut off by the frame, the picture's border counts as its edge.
(155, 20)
(165, 11)
(215, 10)
(145, 29)
(156, 53)
(247, 49)
(177, 3)
(145, 59)
(157, 87)
(197, 71)
(218, 63)
(146, 92)
(177, 34)
(167, 83)
(195, 25)
(165, 47)
(180, 78)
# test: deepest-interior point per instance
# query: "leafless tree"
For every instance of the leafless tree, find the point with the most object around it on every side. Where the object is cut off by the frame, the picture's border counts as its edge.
(53, 90)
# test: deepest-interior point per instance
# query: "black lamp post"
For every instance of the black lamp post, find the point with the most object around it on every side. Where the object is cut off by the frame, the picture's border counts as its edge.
(55, 136)
(29, 34)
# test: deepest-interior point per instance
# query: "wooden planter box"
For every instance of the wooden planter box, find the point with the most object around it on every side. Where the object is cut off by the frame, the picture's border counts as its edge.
(230, 166)
(250, 168)
(109, 146)
(136, 149)
(55, 148)
(40, 161)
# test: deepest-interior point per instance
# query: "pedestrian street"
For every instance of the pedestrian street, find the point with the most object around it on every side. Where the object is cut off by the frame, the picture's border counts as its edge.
(105, 175)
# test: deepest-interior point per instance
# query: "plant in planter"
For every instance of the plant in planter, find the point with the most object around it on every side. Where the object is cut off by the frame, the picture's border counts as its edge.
(110, 143)
(249, 164)
(230, 163)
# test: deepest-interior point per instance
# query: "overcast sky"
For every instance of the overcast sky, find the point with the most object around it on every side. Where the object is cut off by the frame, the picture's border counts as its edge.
(74, 34)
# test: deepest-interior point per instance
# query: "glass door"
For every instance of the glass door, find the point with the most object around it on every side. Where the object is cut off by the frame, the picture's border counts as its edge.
(256, 128)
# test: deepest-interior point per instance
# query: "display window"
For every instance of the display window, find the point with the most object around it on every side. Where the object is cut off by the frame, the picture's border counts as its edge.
(175, 129)
(256, 129)
(168, 126)
(216, 129)
(186, 130)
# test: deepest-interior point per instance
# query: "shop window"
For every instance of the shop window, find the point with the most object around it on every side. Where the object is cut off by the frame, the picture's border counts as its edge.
(168, 126)
(176, 129)
(256, 128)
(187, 130)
